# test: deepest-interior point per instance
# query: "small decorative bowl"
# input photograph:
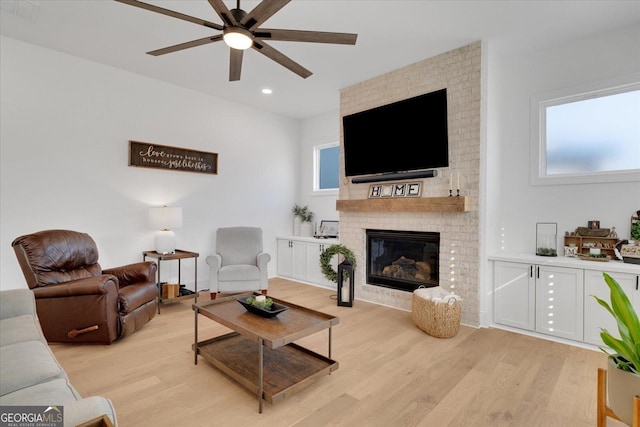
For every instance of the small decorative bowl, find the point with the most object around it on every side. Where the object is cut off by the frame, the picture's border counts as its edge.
(275, 308)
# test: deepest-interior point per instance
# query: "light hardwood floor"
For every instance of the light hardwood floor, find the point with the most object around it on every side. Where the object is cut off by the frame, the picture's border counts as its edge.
(391, 373)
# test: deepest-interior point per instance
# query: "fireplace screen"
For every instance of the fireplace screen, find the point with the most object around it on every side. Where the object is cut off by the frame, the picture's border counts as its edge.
(403, 260)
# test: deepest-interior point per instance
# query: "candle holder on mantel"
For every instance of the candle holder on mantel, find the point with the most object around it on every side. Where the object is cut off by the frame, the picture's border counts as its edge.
(451, 185)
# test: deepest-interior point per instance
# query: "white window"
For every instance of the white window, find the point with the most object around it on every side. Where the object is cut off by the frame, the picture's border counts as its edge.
(587, 134)
(326, 161)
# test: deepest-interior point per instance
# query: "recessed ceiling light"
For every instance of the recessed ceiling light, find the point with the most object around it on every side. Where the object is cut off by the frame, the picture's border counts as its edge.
(267, 91)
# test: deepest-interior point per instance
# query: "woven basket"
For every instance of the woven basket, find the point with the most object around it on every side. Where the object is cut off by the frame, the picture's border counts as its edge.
(440, 320)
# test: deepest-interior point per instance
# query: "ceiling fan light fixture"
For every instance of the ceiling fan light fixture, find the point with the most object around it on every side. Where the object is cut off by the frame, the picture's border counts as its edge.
(237, 38)
(240, 30)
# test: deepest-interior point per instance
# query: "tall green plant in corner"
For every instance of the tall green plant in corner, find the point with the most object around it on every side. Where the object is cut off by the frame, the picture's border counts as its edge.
(626, 350)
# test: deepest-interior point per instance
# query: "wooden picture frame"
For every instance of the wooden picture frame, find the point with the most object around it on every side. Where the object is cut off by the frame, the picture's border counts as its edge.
(329, 229)
(156, 156)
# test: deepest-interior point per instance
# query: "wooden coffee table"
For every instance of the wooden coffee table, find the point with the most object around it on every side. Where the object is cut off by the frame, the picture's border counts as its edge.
(261, 354)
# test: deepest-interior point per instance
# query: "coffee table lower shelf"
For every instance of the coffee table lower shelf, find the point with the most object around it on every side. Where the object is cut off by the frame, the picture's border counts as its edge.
(287, 369)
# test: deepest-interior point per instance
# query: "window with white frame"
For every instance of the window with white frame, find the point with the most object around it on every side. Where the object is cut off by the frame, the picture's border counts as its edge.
(587, 134)
(326, 167)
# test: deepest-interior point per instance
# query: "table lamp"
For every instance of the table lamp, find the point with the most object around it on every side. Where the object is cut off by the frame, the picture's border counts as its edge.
(164, 219)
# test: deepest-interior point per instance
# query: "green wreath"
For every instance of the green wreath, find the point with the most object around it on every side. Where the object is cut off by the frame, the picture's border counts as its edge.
(325, 260)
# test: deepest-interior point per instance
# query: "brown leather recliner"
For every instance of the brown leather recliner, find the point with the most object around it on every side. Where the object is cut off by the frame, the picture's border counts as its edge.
(76, 300)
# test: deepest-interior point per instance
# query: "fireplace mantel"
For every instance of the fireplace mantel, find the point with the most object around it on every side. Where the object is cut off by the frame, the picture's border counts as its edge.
(406, 204)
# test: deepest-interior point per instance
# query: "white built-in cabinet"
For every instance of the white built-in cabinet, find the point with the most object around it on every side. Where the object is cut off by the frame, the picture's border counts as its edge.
(557, 299)
(559, 295)
(299, 258)
(595, 316)
(514, 295)
(314, 270)
(539, 298)
(292, 258)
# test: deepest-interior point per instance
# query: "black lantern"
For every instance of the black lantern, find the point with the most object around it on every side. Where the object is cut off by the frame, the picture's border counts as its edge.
(345, 284)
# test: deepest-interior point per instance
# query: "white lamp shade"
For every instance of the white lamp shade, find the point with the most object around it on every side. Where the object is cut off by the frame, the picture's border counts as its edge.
(165, 218)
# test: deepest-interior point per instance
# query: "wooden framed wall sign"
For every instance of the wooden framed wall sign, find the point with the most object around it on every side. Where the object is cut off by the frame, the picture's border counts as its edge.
(145, 155)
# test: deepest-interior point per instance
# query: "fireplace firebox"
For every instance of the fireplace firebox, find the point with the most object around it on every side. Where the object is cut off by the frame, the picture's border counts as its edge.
(403, 260)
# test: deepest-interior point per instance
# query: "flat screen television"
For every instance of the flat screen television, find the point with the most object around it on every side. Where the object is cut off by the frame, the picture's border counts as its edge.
(408, 135)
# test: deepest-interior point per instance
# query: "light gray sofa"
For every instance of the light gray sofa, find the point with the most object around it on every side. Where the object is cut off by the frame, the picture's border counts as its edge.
(29, 372)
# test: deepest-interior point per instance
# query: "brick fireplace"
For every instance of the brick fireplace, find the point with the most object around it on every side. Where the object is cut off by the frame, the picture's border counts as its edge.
(456, 221)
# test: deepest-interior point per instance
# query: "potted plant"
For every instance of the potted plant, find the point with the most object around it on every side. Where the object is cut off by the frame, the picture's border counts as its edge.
(623, 368)
(635, 230)
(302, 220)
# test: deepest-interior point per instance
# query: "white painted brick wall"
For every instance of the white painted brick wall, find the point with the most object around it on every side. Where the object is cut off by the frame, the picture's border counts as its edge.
(459, 71)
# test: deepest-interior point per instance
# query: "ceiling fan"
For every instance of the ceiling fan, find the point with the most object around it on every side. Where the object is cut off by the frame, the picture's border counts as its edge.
(241, 30)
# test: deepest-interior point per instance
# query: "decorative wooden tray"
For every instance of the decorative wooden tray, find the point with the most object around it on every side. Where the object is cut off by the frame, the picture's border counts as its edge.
(590, 232)
(591, 258)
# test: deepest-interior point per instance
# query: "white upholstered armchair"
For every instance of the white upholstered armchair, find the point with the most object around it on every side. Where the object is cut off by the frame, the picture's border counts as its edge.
(238, 264)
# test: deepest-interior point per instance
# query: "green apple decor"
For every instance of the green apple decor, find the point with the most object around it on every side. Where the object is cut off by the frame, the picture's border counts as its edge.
(623, 369)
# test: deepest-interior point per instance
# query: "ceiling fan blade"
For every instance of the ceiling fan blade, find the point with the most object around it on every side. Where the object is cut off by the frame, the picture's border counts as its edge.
(262, 12)
(306, 36)
(235, 64)
(281, 58)
(172, 13)
(186, 45)
(223, 12)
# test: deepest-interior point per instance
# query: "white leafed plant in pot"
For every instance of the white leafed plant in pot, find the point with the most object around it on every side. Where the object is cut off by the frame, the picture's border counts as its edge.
(623, 368)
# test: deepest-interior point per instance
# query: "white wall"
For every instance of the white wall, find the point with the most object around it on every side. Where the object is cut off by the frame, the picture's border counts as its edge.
(65, 123)
(65, 126)
(516, 205)
(513, 206)
(322, 129)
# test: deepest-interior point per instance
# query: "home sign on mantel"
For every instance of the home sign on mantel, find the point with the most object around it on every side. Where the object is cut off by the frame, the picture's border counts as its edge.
(145, 155)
